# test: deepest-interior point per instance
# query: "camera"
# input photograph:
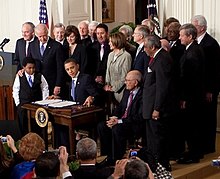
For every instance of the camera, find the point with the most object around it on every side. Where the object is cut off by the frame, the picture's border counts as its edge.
(55, 151)
(133, 153)
(4, 139)
(216, 163)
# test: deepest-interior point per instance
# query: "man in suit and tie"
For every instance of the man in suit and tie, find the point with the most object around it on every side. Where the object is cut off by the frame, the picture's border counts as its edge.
(49, 58)
(212, 64)
(127, 122)
(192, 93)
(21, 48)
(141, 59)
(82, 88)
(158, 105)
(83, 28)
(176, 51)
(98, 52)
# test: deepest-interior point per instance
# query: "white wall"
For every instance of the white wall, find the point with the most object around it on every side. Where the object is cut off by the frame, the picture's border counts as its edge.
(13, 13)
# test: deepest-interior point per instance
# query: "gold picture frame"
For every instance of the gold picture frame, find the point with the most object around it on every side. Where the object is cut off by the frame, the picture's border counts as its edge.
(108, 11)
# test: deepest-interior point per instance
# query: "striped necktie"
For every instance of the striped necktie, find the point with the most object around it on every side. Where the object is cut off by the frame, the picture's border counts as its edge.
(30, 81)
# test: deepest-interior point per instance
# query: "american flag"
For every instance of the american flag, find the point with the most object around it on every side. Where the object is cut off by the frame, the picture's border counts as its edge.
(43, 18)
(152, 14)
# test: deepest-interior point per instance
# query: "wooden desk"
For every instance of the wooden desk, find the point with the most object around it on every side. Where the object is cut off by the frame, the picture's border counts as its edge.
(69, 116)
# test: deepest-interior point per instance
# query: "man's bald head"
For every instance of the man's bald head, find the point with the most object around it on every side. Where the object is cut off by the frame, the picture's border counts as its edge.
(133, 79)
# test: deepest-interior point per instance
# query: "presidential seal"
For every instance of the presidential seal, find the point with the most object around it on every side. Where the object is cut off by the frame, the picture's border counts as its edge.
(41, 117)
(1, 62)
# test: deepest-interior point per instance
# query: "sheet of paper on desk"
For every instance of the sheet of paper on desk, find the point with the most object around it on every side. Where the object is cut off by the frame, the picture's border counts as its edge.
(47, 101)
(62, 104)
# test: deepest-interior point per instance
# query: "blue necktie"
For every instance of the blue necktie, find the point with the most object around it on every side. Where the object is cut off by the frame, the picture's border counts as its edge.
(42, 50)
(73, 90)
(30, 81)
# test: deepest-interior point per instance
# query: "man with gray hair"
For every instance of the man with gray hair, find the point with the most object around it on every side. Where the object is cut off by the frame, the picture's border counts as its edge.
(212, 64)
(58, 32)
(83, 28)
(158, 107)
(141, 59)
(128, 32)
(49, 58)
(92, 30)
(86, 150)
(127, 121)
(192, 93)
(22, 44)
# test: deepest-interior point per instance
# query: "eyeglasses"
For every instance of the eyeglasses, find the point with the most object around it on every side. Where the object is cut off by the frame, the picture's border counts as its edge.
(127, 80)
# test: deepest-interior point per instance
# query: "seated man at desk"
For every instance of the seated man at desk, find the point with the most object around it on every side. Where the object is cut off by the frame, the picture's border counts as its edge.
(80, 89)
(127, 121)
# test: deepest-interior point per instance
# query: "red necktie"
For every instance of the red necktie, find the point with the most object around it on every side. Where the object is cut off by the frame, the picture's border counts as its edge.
(125, 115)
(151, 60)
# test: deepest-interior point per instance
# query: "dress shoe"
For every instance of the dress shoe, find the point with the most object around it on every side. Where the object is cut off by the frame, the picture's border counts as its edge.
(187, 160)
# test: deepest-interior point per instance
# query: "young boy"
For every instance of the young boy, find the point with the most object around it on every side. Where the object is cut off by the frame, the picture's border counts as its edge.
(30, 87)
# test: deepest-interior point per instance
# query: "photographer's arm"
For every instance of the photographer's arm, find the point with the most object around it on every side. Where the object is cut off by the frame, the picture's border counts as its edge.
(64, 168)
(11, 144)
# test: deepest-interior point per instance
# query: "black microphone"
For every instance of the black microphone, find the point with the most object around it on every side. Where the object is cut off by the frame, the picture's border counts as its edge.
(5, 41)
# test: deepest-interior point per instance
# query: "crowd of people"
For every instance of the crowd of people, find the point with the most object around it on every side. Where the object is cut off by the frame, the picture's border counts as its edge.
(163, 90)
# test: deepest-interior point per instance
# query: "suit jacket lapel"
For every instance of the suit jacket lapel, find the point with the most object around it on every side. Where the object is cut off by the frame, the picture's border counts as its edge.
(134, 101)
(48, 46)
(24, 48)
(77, 86)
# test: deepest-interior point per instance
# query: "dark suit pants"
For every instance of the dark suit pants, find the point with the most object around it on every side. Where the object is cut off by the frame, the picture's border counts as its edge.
(210, 125)
(157, 139)
(117, 136)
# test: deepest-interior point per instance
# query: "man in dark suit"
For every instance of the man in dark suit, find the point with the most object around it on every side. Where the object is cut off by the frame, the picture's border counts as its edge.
(22, 44)
(84, 86)
(59, 36)
(212, 65)
(176, 52)
(192, 93)
(49, 58)
(127, 121)
(86, 150)
(158, 99)
(141, 59)
(98, 53)
(81, 89)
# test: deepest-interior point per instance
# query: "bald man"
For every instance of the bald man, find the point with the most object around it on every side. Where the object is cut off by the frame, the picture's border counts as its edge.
(49, 58)
(127, 122)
